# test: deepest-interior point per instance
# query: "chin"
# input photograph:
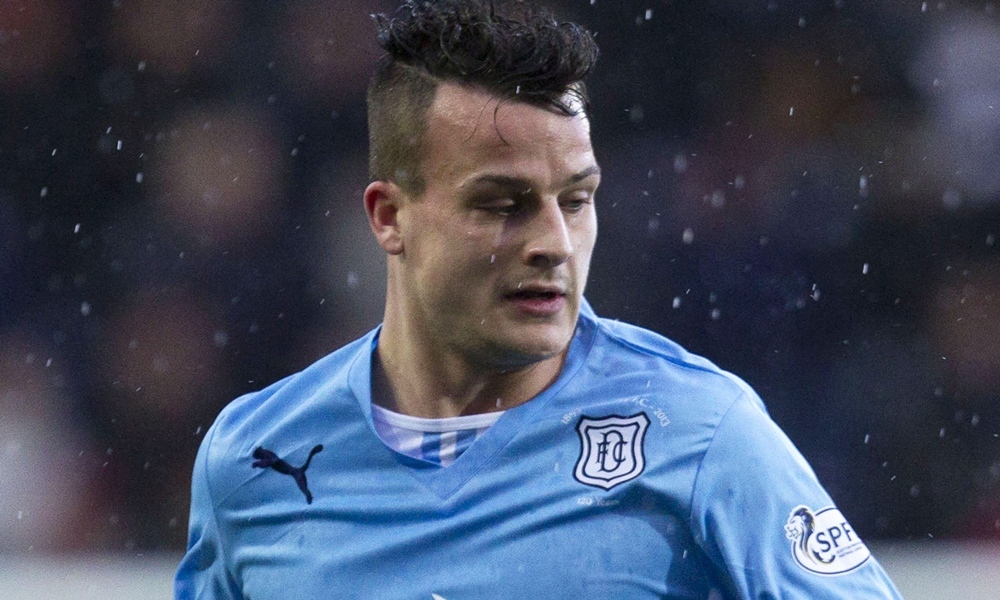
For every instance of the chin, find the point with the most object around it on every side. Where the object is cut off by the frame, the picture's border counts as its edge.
(521, 352)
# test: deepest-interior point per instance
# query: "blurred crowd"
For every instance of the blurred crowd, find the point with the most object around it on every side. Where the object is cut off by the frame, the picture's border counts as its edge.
(806, 192)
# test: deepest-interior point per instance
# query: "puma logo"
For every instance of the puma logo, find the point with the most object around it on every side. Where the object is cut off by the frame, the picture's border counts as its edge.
(267, 459)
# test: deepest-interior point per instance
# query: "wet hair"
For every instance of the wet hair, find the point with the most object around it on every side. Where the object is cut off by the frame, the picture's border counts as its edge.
(508, 48)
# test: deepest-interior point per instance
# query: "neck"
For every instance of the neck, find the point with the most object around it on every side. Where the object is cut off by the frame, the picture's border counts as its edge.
(414, 377)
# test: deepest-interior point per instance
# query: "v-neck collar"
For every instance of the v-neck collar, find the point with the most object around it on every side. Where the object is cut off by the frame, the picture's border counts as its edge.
(445, 481)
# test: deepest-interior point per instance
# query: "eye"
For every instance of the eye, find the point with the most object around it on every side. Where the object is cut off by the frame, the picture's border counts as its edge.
(503, 207)
(576, 203)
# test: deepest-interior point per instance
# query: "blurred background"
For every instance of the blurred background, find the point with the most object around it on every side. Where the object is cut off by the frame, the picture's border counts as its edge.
(806, 192)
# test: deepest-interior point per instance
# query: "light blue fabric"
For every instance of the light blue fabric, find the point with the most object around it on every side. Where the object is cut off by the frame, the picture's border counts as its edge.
(564, 497)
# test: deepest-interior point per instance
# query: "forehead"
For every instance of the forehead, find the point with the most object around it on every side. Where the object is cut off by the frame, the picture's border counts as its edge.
(470, 129)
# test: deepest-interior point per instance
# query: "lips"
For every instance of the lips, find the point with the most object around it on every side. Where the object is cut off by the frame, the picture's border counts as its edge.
(533, 295)
(537, 300)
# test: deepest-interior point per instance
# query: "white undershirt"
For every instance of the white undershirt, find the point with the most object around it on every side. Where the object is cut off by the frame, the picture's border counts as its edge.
(440, 441)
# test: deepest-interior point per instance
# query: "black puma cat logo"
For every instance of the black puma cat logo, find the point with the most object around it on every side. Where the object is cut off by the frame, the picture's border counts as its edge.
(266, 458)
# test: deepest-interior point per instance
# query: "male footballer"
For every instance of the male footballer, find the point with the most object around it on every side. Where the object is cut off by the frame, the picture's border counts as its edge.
(493, 438)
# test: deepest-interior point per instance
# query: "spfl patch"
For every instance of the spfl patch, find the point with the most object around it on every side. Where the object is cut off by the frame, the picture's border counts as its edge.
(824, 542)
(611, 449)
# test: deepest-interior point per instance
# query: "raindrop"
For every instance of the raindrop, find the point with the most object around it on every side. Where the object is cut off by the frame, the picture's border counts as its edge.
(715, 314)
(863, 186)
(44, 192)
(688, 236)
(951, 198)
(718, 199)
(864, 269)
(649, 13)
(352, 280)
(138, 177)
(791, 111)
(677, 302)
(85, 309)
(867, 437)
(220, 339)
(680, 163)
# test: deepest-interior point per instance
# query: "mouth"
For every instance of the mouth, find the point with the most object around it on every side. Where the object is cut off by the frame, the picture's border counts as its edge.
(534, 295)
(537, 301)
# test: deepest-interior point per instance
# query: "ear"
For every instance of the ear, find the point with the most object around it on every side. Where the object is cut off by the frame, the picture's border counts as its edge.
(383, 199)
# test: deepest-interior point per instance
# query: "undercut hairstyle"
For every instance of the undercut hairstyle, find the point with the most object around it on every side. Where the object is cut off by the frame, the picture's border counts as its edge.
(508, 48)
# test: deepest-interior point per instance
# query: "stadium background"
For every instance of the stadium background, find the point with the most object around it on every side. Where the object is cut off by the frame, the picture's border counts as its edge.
(806, 192)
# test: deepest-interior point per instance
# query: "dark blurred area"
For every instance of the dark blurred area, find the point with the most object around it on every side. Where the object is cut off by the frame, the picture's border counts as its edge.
(804, 192)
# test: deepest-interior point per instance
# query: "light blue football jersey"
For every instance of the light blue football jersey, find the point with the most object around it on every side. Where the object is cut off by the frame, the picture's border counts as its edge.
(644, 472)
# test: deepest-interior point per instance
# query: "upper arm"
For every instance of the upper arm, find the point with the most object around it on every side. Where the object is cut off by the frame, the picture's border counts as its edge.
(762, 516)
(203, 572)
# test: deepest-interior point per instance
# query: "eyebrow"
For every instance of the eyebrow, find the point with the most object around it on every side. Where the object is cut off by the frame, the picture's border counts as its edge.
(513, 182)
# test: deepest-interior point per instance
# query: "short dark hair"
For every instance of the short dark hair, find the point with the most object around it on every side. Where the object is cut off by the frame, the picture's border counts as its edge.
(512, 49)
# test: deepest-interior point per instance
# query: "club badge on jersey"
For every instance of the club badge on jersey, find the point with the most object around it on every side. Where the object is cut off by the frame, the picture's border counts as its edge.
(611, 449)
(824, 542)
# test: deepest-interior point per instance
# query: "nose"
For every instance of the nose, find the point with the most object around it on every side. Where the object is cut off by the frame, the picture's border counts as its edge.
(549, 243)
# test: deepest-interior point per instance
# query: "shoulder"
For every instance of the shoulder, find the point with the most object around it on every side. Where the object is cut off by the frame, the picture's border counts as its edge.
(284, 410)
(662, 365)
(291, 394)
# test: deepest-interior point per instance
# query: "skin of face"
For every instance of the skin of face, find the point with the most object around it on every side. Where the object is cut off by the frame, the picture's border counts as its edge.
(487, 266)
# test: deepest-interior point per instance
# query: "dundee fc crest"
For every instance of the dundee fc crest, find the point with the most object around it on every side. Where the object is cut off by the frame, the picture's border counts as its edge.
(611, 449)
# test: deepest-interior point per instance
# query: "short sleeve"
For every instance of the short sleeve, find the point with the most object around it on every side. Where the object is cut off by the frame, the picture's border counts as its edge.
(763, 518)
(202, 573)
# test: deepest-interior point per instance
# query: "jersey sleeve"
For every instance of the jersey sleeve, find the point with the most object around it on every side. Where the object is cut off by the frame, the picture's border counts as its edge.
(767, 524)
(202, 573)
